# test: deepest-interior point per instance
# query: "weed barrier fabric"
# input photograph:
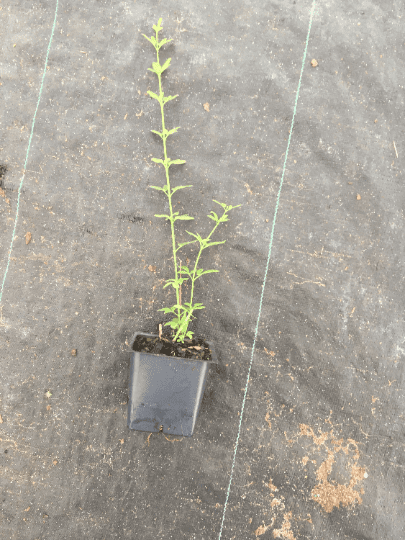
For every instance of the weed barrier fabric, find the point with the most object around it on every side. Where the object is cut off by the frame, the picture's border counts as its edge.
(320, 446)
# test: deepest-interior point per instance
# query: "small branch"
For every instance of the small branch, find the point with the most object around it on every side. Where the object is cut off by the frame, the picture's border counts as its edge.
(395, 149)
(180, 286)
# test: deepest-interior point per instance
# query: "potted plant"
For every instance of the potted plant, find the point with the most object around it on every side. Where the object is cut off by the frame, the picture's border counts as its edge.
(168, 373)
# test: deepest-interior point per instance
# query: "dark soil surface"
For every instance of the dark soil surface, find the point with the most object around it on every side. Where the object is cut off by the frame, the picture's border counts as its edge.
(195, 348)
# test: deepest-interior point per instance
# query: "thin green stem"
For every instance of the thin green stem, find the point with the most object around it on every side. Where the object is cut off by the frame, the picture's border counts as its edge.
(167, 176)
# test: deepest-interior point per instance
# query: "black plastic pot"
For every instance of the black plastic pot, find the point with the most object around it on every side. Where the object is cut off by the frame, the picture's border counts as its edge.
(165, 392)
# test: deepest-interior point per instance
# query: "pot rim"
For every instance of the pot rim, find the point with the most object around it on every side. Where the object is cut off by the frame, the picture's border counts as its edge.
(214, 358)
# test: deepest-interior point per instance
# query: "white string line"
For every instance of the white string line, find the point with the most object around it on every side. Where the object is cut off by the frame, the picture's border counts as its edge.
(26, 157)
(267, 267)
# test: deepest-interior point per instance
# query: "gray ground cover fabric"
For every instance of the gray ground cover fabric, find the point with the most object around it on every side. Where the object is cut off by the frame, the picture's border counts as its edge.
(321, 445)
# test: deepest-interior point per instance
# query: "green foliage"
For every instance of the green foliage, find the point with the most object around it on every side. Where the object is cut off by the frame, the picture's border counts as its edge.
(165, 133)
(168, 162)
(184, 312)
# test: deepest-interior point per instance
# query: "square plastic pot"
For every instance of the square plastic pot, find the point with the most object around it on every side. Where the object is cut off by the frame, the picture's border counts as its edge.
(166, 391)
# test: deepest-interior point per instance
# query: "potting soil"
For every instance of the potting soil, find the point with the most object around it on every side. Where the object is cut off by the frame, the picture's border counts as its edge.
(195, 348)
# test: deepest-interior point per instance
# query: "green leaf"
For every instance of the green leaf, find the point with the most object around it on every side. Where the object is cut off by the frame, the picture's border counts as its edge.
(184, 244)
(222, 204)
(162, 215)
(152, 39)
(169, 98)
(215, 218)
(214, 243)
(163, 42)
(201, 272)
(196, 236)
(184, 217)
(166, 133)
(174, 130)
(226, 208)
(179, 187)
(165, 65)
(157, 67)
(157, 28)
(153, 95)
(175, 323)
(166, 162)
(181, 307)
(196, 306)
(157, 133)
(158, 160)
(168, 310)
(159, 188)
(176, 162)
(174, 283)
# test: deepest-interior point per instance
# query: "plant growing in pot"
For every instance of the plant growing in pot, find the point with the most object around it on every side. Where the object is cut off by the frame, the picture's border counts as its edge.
(168, 373)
